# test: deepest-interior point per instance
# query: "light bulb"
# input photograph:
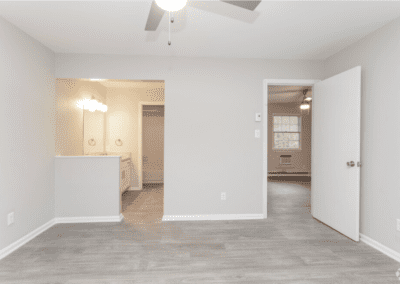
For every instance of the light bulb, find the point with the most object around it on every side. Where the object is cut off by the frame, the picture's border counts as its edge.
(171, 5)
(308, 98)
(102, 108)
(304, 106)
(80, 104)
(99, 106)
(92, 105)
(83, 104)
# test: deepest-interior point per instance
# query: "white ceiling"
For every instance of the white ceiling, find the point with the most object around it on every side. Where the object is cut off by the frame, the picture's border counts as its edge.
(275, 30)
(288, 94)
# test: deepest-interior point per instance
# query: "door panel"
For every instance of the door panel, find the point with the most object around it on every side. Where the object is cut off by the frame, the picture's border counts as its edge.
(335, 186)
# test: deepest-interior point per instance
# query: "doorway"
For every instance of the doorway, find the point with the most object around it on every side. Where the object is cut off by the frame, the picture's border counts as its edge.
(148, 201)
(285, 168)
(336, 149)
(289, 150)
(151, 143)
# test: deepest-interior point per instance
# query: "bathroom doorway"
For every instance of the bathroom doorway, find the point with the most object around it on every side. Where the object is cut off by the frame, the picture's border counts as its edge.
(146, 204)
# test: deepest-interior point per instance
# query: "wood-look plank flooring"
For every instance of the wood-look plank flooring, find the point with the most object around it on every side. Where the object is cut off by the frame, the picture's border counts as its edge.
(289, 247)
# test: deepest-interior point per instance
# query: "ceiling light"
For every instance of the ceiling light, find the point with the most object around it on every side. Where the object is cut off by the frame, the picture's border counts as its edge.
(305, 105)
(171, 5)
(308, 99)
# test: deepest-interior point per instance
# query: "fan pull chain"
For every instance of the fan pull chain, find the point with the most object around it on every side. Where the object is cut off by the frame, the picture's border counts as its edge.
(169, 28)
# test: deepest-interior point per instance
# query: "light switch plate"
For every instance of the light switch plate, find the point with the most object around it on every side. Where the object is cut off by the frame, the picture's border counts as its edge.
(223, 195)
(10, 218)
(257, 133)
(258, 116)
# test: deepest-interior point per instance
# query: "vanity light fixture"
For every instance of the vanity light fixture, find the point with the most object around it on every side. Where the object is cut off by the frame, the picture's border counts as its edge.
(91, 105)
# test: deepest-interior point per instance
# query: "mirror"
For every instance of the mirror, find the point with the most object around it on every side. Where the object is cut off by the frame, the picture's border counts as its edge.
(94, 132)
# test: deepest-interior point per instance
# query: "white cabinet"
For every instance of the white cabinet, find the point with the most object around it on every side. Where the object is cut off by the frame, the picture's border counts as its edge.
(125, 175)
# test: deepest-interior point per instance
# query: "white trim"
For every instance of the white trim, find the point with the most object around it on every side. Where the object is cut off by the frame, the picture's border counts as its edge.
(212, 217)
(380, 247)
(94, 219)
(19, 243)
(273, 82)
(140, 146)
(134, 188)
(86, 156)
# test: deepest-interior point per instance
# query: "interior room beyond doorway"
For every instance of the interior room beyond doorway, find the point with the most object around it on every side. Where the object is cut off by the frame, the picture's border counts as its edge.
(289, 147)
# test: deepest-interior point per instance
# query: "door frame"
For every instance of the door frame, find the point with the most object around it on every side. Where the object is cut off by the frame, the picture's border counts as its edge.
(140, 138)
(274, 82)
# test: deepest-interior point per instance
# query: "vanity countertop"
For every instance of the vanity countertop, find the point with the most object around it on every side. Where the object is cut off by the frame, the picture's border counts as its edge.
(124, 156)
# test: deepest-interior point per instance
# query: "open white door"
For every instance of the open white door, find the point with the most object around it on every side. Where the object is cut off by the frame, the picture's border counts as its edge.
(335, 152)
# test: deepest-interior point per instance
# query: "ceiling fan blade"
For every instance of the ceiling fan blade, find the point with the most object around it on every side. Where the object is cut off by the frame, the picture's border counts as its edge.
(155, 16)
(249, 5)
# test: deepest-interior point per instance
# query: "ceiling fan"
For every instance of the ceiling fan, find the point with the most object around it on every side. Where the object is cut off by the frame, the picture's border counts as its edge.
(159, 7)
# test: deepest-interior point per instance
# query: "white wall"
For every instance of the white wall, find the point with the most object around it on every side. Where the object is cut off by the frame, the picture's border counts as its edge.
(27, 125)
(379, 57)
(87, 187)
(209, 122)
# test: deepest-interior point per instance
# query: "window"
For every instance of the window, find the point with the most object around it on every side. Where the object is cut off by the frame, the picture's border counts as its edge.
(287, 131)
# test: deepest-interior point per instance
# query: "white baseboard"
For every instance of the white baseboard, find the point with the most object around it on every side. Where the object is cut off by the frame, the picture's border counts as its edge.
(382, 248)
(134, 188)
(212, 217)
(19, 243)
(96, 219)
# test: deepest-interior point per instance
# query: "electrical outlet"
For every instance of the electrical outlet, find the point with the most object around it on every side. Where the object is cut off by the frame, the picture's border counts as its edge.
(10, 218)
(398, 225)
(223, 195)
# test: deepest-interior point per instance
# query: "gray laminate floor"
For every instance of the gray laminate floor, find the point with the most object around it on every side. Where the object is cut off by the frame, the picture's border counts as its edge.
(288, 247)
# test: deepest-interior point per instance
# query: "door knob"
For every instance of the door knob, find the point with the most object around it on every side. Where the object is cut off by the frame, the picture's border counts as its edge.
(351, 164)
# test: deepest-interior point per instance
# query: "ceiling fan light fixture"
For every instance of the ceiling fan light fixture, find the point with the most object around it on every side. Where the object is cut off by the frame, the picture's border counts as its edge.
(171, 5)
